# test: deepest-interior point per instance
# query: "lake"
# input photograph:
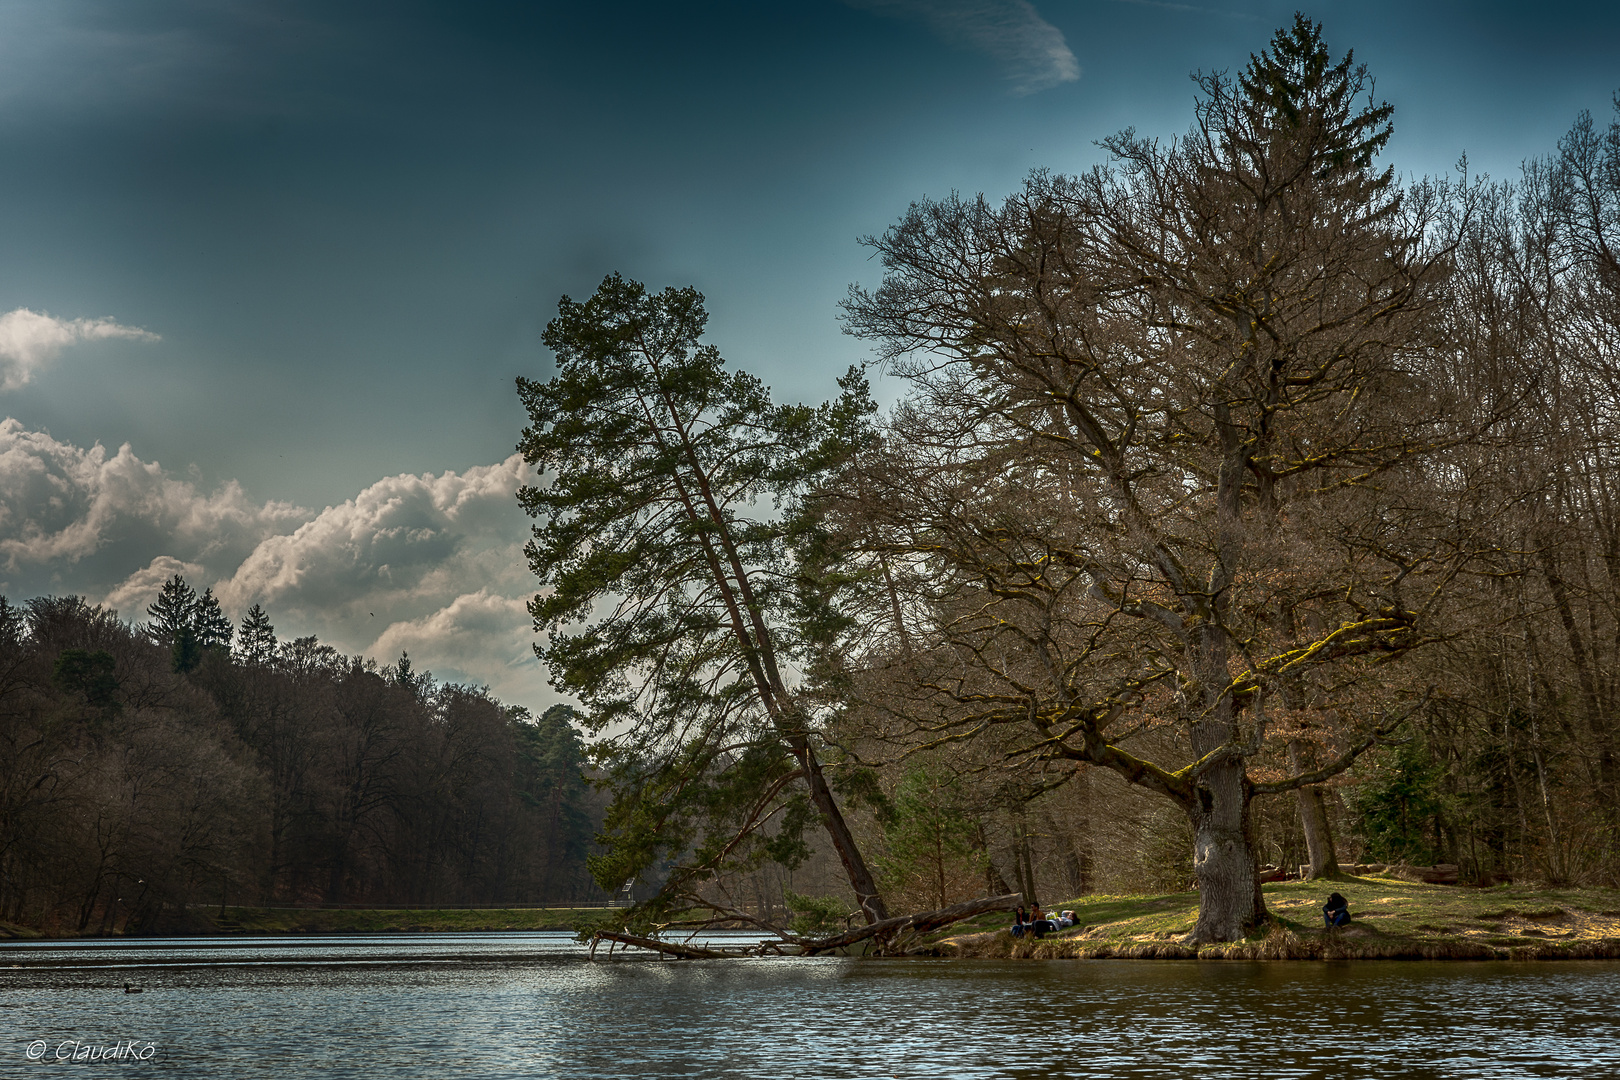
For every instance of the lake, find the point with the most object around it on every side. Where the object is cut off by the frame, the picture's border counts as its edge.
(531, 1005)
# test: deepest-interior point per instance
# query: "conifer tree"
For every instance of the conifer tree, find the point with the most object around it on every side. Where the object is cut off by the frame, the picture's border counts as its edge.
(256, 641)
(209, 624)
(174, 623)
(671, 595)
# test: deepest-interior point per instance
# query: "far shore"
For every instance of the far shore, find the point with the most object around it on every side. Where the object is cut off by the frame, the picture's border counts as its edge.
(1392, 919)
(254, 921)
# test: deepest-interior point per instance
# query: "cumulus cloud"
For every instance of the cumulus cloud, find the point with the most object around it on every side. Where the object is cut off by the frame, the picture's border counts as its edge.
(430, 564)
(31, 339)
(1034, 53)
(137, 592)
(388, 544)
(61, 504)
(480, 637)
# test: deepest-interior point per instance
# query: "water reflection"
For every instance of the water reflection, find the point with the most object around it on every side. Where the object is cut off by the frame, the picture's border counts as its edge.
(529, 1005)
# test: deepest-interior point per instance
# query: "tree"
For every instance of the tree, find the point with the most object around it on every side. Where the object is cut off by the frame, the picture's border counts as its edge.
(1174, 453)
(931, 838)
(668, 598)
(188, 624)
(172, 615)
(256, 641)
(209, 625)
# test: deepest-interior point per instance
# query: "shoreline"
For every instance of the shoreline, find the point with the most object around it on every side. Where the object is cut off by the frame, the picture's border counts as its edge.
(1392, 919)
(322, 922)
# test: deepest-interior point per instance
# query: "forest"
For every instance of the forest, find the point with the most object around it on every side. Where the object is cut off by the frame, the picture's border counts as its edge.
(1244, 504)
(149, 770)
(1243, 508)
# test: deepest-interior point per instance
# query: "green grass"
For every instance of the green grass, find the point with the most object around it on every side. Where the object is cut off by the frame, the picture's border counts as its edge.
(1391, 918)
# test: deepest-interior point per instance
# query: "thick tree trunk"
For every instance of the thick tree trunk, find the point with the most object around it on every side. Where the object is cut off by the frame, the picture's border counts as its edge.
(1229, 900)
(1313, 813)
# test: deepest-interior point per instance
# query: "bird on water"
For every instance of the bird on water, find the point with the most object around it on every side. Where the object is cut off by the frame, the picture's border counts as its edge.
(128, 989)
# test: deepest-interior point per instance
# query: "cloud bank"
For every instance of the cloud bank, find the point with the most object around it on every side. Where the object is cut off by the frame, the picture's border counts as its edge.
(430, 564)
(1033, 52)
(31, 339)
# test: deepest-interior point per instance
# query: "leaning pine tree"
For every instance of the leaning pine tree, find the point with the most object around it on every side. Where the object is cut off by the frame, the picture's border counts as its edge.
(669, 595)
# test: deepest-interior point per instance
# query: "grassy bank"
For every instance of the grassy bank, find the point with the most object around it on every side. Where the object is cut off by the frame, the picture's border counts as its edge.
(247, 920)
(252, 920)
(1392, 919)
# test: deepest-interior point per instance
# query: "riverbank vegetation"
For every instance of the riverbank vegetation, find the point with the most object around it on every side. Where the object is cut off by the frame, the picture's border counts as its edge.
(1391, 919)
(1244, 503)
(148, 772)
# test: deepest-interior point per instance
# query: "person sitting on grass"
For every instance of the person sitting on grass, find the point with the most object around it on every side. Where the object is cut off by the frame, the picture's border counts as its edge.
(1018, 922)
(1336, 912)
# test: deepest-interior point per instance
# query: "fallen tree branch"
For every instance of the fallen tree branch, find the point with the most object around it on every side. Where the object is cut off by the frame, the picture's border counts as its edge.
(919, 923)
(669, 948)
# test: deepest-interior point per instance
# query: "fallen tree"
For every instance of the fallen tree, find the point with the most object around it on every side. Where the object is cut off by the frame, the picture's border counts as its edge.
(893, 937)
(889, 937)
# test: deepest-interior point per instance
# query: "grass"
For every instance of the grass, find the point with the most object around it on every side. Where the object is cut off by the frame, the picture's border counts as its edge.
(249, 920)
(1391, 919)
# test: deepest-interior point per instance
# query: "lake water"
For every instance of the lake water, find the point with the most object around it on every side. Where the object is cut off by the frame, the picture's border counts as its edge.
(531, 1005)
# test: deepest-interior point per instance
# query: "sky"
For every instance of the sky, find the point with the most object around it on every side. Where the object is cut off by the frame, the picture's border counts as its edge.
(268, 270)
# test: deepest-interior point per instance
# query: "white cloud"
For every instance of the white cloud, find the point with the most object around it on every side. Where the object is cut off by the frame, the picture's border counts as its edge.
(432, 564)
(480, 637)
(1034, 52)
(136, 593)
(389, 544)
(61, 504)
(31, 339)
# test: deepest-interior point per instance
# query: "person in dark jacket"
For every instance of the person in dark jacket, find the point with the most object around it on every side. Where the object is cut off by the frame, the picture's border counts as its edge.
(1336, 912)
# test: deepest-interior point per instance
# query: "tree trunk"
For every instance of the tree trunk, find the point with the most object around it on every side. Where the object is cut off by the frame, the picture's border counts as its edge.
(1229, 900)
(1076, 867)
(1313, 813)
(860, 877)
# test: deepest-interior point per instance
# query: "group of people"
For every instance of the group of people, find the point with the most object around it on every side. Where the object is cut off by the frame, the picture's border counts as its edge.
(1034, 922)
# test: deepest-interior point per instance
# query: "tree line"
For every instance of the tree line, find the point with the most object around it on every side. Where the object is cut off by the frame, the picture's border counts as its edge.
(149, 770)
(1243, 502)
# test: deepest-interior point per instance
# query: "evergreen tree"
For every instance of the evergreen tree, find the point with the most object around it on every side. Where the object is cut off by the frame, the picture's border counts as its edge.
(209, 624)
(256, 641)
(173, 610)
(174, 616)
(670, 599)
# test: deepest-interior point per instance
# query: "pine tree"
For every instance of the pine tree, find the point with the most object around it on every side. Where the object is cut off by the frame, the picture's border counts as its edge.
(173, 610)
(256, 641)
(173, 623)
(209, 624)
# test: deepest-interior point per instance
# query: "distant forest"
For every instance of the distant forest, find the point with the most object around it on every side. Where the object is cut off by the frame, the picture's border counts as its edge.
(147, 769)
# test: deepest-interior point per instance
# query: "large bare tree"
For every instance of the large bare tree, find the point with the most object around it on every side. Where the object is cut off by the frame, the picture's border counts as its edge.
(1175, 451)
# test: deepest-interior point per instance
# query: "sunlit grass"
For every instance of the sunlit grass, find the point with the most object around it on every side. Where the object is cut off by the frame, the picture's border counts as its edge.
(1390, 918)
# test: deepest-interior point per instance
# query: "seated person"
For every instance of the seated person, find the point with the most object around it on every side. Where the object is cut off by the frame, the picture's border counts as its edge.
(1019, 922)
(1336, 912)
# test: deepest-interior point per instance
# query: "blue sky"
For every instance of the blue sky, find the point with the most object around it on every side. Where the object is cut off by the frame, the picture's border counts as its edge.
(292, 255)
